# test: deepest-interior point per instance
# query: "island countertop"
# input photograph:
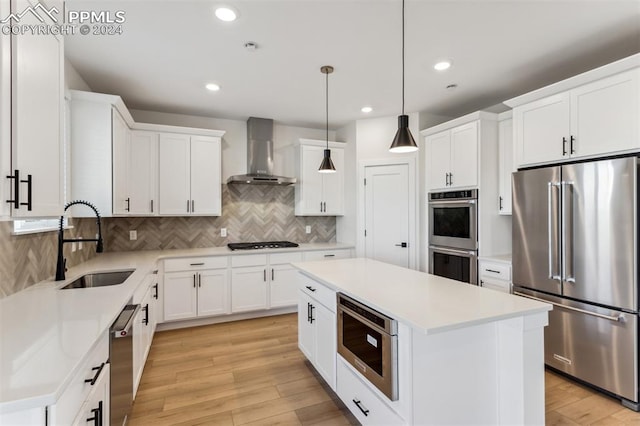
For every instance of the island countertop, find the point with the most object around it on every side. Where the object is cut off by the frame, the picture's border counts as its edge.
(426, 302)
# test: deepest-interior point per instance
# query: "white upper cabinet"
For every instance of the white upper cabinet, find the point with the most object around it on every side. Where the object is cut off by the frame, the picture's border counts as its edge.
(121, 151)
(591, 115)
(143, 173)
(453, 157)
(319, 194)
(190, 175)
(505, 162)
(36, 149)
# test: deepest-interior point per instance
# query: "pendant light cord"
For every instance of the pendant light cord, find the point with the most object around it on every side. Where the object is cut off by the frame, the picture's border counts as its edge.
(327, 106)
(402, 57)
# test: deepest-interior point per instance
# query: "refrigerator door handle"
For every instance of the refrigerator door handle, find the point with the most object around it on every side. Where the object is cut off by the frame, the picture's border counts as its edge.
(551, 242)
(567, 229)
(617, 318)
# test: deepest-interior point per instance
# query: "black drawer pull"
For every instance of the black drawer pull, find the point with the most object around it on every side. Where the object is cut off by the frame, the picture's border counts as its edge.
(329, 255)
(310, 288)
(492, 270)
(97, 415)
(145, 320)
(197, 264)
(16, 189)
(98, 370)
(155, 296)
(364, 410)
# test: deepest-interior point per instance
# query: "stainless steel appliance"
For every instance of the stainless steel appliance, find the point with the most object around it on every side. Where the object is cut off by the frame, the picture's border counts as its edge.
(457, 264)
(453, 219)
(261, 245)
(453, 235)
(121, 360)
(575, 236)
(368, 340)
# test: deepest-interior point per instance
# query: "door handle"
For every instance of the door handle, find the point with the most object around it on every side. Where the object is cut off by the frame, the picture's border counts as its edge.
(151, 206)
(193, 206)
(359, 405)
(500, 203)
(264, 275)
(446, 179)
(272, 275)
(199, 280)
(188, 206)
(550, 213)
(311, 318)
(308, 312)
(618, 318)
(404, 245)
(94, 379)
(567, 252)
(320, 206)
(310, 288)
(572, 139)
(128, 201)
(97, 415)
(145, 320)
(16, 189)
(29, 182)
(155, 296)
(194, 280)
(450, 179)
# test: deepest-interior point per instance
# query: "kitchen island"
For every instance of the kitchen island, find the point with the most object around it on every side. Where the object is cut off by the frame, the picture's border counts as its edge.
(465, 354)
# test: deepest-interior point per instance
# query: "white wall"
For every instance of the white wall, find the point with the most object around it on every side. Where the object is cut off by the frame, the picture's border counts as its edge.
(346, 226)
(234, 141)
(73, 80)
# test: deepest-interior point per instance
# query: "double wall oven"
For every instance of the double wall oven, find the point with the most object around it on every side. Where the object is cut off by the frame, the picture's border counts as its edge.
(453, 235)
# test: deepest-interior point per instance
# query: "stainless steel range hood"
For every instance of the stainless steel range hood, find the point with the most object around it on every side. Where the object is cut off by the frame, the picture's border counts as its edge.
(260, 156)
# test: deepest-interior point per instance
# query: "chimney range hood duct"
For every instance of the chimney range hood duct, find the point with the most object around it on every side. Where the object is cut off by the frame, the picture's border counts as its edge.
(260, 156)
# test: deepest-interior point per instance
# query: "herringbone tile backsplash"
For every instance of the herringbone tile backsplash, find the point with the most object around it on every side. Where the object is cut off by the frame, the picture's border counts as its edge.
(249, 212)
(28, 259)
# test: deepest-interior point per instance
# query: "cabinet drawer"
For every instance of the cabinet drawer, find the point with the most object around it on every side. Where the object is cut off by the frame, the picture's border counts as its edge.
(357, 394)
(68, 406)
(195, 263)
(498, 271)
(327, 254)
(284, 258)
(249, 260)
(319, 292)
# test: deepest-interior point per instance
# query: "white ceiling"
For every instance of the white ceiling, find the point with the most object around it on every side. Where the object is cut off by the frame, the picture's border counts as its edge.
(500, 49)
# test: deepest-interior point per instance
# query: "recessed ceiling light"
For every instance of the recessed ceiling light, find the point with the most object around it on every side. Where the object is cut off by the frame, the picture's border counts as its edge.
(227, 14)
(213, 87)
(366, 109)
(442, 65)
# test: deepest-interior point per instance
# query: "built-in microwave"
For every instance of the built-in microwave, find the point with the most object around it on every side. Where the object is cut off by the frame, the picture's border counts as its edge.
(453, 219)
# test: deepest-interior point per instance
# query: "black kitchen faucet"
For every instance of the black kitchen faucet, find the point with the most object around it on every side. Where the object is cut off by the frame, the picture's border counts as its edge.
(61, 263)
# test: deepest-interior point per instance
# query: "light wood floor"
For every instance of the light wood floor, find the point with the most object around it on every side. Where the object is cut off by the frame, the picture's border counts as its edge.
(251, 372)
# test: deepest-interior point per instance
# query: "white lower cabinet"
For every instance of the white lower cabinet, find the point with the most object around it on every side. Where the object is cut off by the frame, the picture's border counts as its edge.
(317, 329)
(143, 329)
(249, 288)
(327, 254)
(200, 290)
(495, 274)
(357, 395)
(96, 408)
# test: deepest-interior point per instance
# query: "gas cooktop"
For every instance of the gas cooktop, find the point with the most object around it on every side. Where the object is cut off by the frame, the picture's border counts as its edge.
(261, 245)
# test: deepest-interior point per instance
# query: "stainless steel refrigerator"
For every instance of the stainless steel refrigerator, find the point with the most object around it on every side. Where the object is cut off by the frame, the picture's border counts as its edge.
(575, 230)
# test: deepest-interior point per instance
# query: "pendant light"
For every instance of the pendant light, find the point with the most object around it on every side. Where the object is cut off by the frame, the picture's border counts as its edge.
(403, 141)
(327, 165)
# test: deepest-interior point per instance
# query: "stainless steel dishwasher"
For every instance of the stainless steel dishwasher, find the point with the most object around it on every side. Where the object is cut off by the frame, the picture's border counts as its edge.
(121, 360)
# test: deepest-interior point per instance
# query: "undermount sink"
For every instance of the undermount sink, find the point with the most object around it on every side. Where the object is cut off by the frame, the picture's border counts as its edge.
(100, 279)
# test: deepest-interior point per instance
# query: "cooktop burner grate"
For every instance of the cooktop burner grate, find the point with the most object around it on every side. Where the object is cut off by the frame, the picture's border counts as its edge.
(261, 245)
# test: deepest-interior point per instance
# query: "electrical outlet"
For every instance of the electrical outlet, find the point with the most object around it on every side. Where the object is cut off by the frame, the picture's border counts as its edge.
(133, 235)
(223, 232)
(307, 229)
(73, 247)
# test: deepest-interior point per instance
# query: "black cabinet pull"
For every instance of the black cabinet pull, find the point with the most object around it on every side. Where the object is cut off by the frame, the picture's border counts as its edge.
(155, 296)
(272, 275)
(151, 206)
(128, 201)
(194, 280)
(29, 182)
(308, 312)
(311, 318)
(145, 320)
(199, 280)
(310, 288)
(188, 204)
(193, 206)
(197, 264)
(571, 141)
(564, 146)
(97, 415)
(320, 206)
(94, 379)
(450, 179)
(500, 203)
(364, 410)
(492, 270)
(16, 189)
(329, 255)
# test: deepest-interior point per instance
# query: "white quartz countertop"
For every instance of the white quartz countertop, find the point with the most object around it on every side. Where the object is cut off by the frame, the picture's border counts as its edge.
(502, 258)
(428, 303)
(46, 333)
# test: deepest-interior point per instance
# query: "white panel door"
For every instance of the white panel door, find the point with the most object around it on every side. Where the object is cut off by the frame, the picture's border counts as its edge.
(248, 288)
(180, 299)
(311, 180)
(333, 185)
(325, 342)
(306, 335)
(205, 176)
(174, 174)
(439, 151)
(464, 156)
(284, 280)
(120, 146)
(143, 173)
(387, 214)
(540, 127)
(37, 117)
(505, 165)
(605, 115)
(213, 293)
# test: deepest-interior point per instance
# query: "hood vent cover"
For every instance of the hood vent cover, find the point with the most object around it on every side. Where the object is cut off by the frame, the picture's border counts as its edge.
(260, 156)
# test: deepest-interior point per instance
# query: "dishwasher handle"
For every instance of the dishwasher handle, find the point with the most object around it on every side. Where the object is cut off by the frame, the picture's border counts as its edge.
(122, 326)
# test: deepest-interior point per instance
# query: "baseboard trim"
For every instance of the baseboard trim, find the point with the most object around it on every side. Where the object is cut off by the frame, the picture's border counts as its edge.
(174, 325)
